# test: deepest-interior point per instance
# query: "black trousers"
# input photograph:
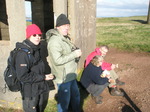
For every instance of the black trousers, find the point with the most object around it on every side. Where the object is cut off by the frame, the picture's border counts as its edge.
(36, 104)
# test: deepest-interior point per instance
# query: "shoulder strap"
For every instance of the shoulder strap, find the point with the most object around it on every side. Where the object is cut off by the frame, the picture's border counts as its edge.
(27, 51)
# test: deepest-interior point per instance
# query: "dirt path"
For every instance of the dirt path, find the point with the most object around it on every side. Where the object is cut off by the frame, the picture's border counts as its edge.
(134, 69)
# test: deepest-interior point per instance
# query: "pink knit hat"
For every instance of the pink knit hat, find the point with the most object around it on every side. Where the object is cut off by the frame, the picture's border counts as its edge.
(32, 29)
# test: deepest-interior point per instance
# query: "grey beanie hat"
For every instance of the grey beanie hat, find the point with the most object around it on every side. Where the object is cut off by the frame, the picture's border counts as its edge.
(62, 20)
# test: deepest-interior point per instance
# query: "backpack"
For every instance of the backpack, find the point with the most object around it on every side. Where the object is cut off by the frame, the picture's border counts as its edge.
(10, 75)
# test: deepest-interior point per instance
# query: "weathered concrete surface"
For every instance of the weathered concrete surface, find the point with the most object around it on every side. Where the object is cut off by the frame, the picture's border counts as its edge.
(16, 20)
(82, 15)
(16, 23)
(9, 98)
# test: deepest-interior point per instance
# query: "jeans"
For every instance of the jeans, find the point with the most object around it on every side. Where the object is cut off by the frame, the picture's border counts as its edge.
(68, 94)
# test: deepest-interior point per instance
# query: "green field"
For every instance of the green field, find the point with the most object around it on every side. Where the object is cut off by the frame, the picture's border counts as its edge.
(126, 33)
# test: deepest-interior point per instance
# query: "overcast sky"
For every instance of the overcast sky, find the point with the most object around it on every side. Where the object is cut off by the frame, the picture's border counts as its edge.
(114, 8)
(28, 8)
(122, 8)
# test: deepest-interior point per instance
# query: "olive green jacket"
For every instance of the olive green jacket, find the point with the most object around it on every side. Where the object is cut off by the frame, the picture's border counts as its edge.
(62, 58)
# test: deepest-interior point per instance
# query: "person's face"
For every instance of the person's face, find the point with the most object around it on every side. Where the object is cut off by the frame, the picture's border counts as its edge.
(99, 62)
(63, 29)
(103, 51)
(35, 39)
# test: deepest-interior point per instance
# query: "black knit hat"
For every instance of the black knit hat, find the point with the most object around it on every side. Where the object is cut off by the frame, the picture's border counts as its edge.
(62, 20)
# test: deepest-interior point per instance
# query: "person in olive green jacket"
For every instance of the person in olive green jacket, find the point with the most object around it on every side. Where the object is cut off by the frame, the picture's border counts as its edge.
(64, 56)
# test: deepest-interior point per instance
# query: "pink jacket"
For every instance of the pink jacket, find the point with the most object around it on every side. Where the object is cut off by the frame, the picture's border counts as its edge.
(105, 65)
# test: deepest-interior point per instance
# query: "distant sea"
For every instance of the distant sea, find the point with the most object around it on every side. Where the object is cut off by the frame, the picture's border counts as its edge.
(29, 19)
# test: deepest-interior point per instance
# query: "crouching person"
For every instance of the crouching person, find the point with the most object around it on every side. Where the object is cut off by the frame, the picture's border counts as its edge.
(91, 79)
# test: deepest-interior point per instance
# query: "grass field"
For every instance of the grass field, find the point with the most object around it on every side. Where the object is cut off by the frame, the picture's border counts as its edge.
(127, 33)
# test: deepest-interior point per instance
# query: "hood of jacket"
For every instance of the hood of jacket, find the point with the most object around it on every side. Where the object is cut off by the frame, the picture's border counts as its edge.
(27, 44)
(54, 32)
(51, 32)
(97, 50)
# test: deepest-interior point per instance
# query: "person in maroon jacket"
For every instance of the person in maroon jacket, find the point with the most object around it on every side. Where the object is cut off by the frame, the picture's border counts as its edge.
(102, 51)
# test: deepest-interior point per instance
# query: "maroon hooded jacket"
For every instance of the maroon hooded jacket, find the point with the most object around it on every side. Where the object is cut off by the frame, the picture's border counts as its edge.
(105, 65)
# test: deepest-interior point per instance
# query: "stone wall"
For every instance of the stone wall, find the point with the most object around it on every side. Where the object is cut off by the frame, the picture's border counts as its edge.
(82, 15)
(43, 15)
(4, 33)
(12, 25)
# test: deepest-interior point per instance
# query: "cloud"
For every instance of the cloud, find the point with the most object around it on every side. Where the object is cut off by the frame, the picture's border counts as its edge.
(28, 9)
(122, 8)
(113, 8)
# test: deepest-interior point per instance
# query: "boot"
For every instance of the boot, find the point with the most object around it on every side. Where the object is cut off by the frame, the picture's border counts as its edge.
(116, 92)
(97, 99)
(118, 82)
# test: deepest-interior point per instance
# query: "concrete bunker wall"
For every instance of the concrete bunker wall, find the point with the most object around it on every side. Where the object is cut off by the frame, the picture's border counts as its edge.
(82, 15)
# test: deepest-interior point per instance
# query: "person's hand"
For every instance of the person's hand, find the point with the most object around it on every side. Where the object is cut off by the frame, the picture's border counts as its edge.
(108, 76)
(111, 80)
(117, 66)
(49, 76)
(105, 74)
(78, 52)
(113, 66)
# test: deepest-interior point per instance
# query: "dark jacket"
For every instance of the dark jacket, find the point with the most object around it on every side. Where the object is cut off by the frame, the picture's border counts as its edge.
(91, 75)
(30, 70)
